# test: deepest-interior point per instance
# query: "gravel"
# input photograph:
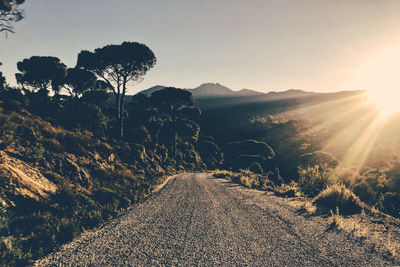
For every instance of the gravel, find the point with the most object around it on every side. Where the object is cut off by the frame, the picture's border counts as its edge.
(196, 219)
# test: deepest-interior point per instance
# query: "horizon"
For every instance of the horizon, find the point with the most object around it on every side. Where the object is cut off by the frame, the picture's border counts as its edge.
(265, 92)
(240, 45)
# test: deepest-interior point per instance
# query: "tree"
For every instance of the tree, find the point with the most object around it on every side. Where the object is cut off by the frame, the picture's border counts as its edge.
(176, 104)
(78, 81)
(41, 73)
(210, 152)
(10, 13)
(240, 155)
(2, 80)
(118, 65)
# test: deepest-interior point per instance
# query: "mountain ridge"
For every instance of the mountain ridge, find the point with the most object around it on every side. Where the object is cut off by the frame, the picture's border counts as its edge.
(216, 90)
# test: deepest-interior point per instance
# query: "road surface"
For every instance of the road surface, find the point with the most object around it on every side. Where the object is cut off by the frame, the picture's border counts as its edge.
(196, 219)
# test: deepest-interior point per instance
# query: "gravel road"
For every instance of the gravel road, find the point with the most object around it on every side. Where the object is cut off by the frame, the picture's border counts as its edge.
(196, 219)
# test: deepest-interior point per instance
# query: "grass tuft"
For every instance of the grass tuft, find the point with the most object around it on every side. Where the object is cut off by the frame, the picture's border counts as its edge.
(338, 195)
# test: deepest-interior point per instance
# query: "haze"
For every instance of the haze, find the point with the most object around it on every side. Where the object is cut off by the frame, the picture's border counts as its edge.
(261, 45)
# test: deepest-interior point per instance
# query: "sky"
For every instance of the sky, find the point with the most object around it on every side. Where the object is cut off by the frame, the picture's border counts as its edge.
(264, 45)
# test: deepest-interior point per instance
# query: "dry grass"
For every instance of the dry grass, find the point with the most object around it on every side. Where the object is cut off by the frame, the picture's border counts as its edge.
(287, 190)
(391, 247)
(338, 195)
(308, 207)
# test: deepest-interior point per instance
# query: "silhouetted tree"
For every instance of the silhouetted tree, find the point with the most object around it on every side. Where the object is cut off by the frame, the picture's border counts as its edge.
(10, 12)
(176, 104)
(2, 80)
(118, 65)
(41, 73)
(78, 81)
(210, 152)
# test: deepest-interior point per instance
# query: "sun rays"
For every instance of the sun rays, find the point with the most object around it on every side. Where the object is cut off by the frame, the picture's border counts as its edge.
(351, 126)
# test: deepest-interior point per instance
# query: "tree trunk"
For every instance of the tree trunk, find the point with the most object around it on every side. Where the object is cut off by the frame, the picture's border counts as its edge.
(174, 138)
(118, 113)
(121, 110)
(121, 119)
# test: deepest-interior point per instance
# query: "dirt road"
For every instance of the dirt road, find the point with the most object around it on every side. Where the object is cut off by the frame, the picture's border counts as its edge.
(199, 220)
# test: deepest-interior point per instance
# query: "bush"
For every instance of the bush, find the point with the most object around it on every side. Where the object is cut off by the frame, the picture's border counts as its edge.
(37, 152)
(291, 190)
(52, 144)
(256, 168)
(390, 204)
(339, 196)
(314, 179)
(222, 174)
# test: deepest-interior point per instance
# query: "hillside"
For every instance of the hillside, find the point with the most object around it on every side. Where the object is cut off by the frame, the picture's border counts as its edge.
(56, 182)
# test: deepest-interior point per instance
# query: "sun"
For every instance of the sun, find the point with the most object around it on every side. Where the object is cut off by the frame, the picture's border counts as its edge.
(386, 100)
(381, 77)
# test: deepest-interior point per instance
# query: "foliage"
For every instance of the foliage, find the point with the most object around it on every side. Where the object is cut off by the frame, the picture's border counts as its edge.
(78, 81)
(117, 66)
(210, 153)
(339, 196)
(37, 152)
(241, 155)
(10, 12)
(246, 178)
(318, 158)
(41, 73)
(314, 179)
(288, 190)
(2, 80)
(389, 203)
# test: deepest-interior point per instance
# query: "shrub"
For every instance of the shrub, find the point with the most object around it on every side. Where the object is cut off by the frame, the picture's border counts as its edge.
(390, 204)
(37, 152)
(339, 196)
(222, 174)
(291, 190)
(256, 168)
(52, 144)
(314, 179)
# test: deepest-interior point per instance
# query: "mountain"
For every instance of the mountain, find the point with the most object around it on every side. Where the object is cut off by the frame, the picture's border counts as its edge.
(292, 93)
(209, 90)
(248, 92)
(151, 90)
(214, 90)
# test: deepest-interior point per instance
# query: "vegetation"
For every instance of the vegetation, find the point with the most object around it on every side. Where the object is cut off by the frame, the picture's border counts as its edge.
(10, 12)
(91, 158)
(339, 197)
(63, 168)
(117, 66)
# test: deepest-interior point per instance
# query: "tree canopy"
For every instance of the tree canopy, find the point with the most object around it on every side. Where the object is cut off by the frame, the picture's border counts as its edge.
(2, 80)
(118, 65)
(176, 107)
(41, 73)
(78, 81)
(10, 12)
